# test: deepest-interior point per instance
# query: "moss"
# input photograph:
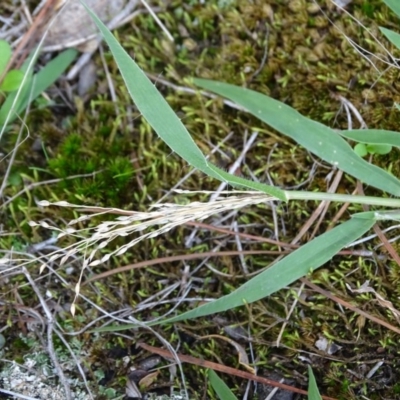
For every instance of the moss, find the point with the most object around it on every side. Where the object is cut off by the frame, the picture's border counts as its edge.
(103, 154)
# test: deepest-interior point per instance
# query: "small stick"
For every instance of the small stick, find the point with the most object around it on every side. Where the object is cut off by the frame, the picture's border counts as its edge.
(50, 345)
(222, 368)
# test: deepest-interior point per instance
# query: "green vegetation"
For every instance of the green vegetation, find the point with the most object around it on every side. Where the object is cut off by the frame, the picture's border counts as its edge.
(11, 80)
(105, 155)
(24, 87)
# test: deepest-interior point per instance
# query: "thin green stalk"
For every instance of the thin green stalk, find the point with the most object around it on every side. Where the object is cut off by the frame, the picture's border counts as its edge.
(343, 198)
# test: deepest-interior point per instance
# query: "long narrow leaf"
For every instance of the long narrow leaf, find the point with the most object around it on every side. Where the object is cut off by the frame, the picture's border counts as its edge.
(36, 85)
(5, 55)
(12, 81)
(392, 36)
(307, 258)
(313, 392)
(373, 136)
(315, 137)
(394, 5)
(380, 215)
(52, 71)
(20, 97)
(48, 75)
(220, 387)
(164, 121)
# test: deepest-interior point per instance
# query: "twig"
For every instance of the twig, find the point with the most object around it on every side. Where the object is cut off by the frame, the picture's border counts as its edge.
(171, 350)
(50, 329)
(264, 57)
(17, 395)
(159, 23)
(77, 362)
(14, 151)
(222, 368)
(349, 306)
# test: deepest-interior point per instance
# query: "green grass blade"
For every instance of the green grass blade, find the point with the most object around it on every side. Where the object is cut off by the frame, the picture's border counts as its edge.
(220, 387)
(394, 5)
(380, 215)
(242, 182)
(305, 259)
(36, 85)
(12, 81)
(315, 137)
(392, 36)
(313, 392)
(373, 136)
(8, 110)
(5, 55)
(52, 71)
(48, 75)
(164, 121)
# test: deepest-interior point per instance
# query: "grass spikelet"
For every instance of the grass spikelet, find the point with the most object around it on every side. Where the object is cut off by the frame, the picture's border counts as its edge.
(163, 217)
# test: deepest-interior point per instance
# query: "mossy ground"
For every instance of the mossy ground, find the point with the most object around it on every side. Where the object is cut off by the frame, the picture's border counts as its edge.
(123, 164)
